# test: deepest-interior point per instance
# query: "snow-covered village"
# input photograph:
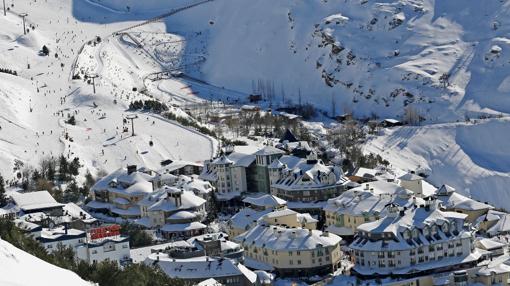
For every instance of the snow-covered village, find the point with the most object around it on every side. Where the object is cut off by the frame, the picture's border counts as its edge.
(254, 142)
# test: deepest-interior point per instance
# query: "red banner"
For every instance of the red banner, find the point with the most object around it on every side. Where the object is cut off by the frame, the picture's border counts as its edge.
(106, 231)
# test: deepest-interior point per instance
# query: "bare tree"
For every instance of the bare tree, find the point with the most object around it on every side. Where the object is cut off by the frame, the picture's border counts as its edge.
(411, 115)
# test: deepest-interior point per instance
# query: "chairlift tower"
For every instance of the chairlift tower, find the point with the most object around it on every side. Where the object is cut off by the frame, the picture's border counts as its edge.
(23, 16)
(93, 77)
(132, 117)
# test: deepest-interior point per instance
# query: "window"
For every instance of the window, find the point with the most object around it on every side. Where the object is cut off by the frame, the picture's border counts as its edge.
(298, 252)
(290, 253)
(299, 262)
(291, 262)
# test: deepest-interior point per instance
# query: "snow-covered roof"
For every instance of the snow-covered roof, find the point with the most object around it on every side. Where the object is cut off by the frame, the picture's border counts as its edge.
(246, 217)
(182, 215)
(422, 224)
(453, 200)
(308, 174)
(280, 213)
(410, 177)
(122, 177)
(222, 160)
(265, 201)
(495, 266)
(357, 202)
(35, 200)
(199, 267)
(181, 227)
(175, 165)
(502, 226)
(285, 239)
(60, 233)
(77, 212)
(131, 211)
(241, 159)
(489, 244)
(161, 200)
(209, 282)
(269, 150)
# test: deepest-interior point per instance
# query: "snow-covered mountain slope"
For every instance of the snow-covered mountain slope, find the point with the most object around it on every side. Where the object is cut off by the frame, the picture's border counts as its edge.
(473, 158)
(372, 56)
(22, 269)
(35, 104)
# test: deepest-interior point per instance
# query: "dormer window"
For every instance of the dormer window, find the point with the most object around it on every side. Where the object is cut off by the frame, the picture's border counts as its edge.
(415, 233)
(407, 234)
(426, 231)
(433, 229)
(445, 227)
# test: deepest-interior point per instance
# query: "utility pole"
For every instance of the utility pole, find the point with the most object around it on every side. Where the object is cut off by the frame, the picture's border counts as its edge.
(132, 117)
(93, 77)
(22, 15)
(5, 11)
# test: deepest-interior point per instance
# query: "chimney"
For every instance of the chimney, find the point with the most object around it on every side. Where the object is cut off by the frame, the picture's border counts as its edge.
(367, 187)
(325, 233)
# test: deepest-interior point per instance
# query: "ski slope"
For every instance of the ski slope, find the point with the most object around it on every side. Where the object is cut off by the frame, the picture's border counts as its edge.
(368, 56)
(16, 264)
(35, 105)
(473, 158)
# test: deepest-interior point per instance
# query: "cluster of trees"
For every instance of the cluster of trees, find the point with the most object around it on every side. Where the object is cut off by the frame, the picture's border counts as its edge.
(347, 139)
(3, 198)
(9, 71)
(137, 236)
(261, 124)
(71, 120)
(51, 173)
(189, 123)
(103, 273)
(148, 105)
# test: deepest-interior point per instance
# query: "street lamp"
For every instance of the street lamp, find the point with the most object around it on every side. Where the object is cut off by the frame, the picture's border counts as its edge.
(23, 15)
(132, 117)
(5, 11)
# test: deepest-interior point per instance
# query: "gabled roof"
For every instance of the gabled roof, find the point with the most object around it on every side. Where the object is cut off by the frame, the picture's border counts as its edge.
(222, 160)
(458, 201)
(35, 200)
(410, 177)
(265, 201)
(280, 238)
(288, 136)
(269, 150)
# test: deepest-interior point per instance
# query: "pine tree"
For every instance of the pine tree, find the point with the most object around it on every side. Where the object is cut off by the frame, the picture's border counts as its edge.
(3, 198)
(63, 168)
(45, 50)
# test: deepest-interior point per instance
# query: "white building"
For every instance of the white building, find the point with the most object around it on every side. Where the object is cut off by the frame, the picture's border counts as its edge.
(413, 240)
(194, 270)
(305, 180)
(363, 204)
(291, 251)
(37, 202)
(247, 218)
(119, 192)
(228, 174)
(175, 212)
(115, 248)
(112, 248)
